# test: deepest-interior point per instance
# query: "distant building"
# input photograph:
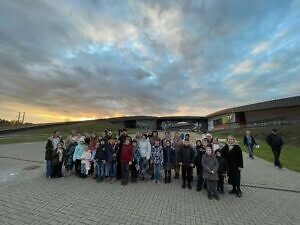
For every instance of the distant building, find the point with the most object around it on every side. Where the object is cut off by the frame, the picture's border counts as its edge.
(196, 123)
(275, 112)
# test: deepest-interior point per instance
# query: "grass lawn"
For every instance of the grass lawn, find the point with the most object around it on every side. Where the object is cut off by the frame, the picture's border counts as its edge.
(290, 153)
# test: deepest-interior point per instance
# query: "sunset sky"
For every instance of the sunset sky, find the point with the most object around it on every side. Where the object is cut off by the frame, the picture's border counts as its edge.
(77, 60)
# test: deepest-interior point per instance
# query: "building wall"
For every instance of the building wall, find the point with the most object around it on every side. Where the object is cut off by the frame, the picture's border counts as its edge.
(146, 124)
(221, 122)
(284, 114)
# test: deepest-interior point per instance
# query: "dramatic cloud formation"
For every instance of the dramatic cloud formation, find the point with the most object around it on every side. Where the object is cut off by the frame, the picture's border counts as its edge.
(70, 60)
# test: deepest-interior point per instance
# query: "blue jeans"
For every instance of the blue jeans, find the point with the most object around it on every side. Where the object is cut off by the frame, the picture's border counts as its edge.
(48, 168)
(112, 169)
(100, 169)
(157, 171)
(250, 150)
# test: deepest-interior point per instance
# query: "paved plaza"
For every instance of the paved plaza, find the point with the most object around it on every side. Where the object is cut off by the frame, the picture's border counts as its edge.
(270, 196)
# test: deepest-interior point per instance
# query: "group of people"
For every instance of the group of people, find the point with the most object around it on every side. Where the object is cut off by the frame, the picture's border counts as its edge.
(108, 158)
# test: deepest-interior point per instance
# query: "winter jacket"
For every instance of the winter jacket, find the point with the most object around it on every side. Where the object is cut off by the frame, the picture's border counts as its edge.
(246, 142)
(80, 148)
(234, 157)
(110, 153)
(198, 156)
(69, 154)
(186, 155)
(86, 155)
(49, 150)
(210, 164)
(117, 152)
(145, 148)
(126, 153)
(223, 167)
(275, 141)
(136, 154)
(177, 143)
(57, 156)
(157, 156)
(101, 153)
(169, 154)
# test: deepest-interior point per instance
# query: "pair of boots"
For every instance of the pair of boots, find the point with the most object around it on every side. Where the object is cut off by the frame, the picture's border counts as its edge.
(189, 186)
(167, 176)
(211, 196)
(236, 191)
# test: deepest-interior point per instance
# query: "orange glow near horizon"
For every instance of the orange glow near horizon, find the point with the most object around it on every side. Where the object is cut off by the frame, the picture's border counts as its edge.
(43, 115)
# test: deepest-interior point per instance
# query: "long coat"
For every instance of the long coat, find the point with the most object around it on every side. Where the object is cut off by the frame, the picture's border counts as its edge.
(169, 159)
(210, 164)
(234, 157)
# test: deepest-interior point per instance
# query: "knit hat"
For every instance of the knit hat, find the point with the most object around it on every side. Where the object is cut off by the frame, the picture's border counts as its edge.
(82, 140)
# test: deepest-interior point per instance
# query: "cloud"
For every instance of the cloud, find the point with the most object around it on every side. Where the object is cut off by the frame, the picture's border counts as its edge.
(260, 47)
(244, 66)
(68, 60)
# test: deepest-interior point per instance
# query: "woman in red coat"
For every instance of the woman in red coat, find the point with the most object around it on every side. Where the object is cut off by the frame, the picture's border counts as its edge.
(126, 159)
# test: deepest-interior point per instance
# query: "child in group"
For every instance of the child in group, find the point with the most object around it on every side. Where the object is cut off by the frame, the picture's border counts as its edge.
(198, 162)
(69, 157)
(85, 162)
(48, 158)
(126, 158)
(101, 156)
(145, 150)
(169, 160)
(111, 160)
(157, 159)
(222, 171)
(80, 148)
(135, 167)
(210, 172)
(57, 161)
(114, 163)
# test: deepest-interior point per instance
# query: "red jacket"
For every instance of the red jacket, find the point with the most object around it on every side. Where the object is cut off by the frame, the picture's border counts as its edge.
(126, 153)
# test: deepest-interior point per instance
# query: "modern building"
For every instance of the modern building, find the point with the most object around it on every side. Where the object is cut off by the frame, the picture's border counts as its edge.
(162, 123)
(275, 112)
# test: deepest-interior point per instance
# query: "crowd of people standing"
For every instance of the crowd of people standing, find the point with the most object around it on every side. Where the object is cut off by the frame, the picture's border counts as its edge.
(109, 157)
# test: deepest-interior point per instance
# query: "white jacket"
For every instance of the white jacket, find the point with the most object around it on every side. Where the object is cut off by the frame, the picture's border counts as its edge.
(145, 148)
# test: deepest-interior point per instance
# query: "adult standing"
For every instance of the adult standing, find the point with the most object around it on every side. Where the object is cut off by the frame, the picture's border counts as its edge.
(232, 152)
(275, 141)
(186, 161)
(56, 139)
(120, 143)
(177, 142)
(72, 138)
(249, 141)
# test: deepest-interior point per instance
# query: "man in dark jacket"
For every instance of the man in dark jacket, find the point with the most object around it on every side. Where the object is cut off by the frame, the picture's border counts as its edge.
(234, 157)
(186, 161)
(275, 141)
(249, 141)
